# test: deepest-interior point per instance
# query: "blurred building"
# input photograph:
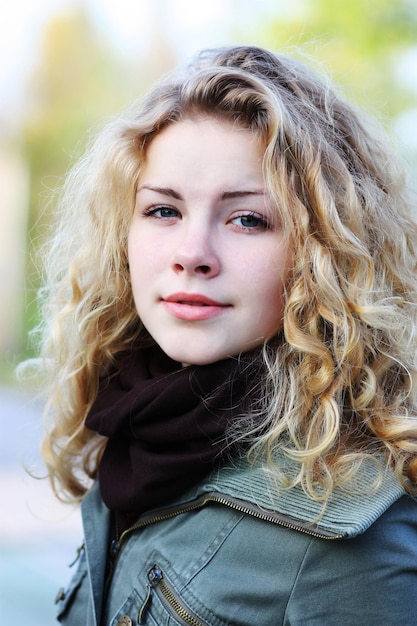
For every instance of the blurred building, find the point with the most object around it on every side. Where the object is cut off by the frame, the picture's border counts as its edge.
(14, 188)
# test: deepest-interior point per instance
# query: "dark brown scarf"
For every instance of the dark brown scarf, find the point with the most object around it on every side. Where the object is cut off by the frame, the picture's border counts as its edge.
(166, 425)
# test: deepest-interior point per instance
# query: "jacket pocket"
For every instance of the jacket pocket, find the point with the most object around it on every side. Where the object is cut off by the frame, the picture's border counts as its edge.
(73, 595)
(159, 584)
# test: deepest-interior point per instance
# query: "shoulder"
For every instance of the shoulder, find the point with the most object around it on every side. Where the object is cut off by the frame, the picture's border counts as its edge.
(243, 548)
(366, 570)
(347, 514)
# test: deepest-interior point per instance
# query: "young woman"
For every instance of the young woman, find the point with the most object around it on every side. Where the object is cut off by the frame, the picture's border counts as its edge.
(230, 359)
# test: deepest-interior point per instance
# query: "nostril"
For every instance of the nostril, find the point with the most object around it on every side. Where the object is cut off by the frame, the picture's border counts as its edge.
(198, 269)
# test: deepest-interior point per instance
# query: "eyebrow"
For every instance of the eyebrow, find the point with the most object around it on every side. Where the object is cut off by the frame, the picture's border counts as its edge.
(165, 191)
(226, 195)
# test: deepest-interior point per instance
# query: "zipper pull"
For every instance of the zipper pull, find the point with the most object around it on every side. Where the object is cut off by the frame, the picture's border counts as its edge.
(113, 553)
(114, 548)
(78, 554)
(154, 577)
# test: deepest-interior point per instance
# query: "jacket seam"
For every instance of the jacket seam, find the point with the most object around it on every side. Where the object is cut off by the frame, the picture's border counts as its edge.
(215, 552)
(290, 595)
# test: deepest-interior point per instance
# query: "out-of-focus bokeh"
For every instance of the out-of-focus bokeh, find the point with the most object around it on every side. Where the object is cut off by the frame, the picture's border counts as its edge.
(68, 65)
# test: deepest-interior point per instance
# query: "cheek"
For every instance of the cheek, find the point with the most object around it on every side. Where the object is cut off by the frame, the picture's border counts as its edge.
(139, 267)
(270, 281)
(141, 253)
(269, 273)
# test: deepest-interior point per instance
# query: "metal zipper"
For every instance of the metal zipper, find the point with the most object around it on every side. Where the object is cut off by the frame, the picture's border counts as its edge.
(232, 503)
(169, 597)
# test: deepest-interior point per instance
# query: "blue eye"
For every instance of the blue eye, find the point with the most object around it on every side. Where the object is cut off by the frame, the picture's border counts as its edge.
(251, 221)
(162, 212)
(167, 212)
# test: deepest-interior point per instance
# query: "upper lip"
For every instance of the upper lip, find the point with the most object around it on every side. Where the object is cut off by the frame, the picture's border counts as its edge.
(192, 298)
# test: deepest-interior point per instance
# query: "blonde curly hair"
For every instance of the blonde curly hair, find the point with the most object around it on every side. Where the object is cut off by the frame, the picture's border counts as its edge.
(341, 387)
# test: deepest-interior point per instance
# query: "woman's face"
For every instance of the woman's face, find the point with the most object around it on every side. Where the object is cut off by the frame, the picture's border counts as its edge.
(207, 255)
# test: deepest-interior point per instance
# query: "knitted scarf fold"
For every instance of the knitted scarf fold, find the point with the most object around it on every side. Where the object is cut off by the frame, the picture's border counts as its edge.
(166, 425)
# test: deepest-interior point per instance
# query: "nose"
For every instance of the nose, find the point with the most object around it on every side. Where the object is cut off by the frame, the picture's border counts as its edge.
(196, 254)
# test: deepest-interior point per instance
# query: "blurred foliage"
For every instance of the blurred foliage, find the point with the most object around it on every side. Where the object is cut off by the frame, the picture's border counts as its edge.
(65, 96)
(361, 41)
(76, 83)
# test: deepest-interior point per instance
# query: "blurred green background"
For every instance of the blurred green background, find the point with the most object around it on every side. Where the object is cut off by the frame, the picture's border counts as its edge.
(69, 65)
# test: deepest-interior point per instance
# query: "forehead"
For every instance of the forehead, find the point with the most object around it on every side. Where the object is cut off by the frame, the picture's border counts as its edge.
(204, 143)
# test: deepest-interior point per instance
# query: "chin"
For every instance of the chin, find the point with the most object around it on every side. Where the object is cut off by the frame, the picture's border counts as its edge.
(187, 359)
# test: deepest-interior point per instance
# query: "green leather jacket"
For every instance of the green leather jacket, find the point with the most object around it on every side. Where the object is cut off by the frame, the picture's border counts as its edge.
(236, 551)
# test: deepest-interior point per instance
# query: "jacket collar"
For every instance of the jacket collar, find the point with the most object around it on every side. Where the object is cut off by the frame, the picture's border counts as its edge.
(348, 513)
(252, 489)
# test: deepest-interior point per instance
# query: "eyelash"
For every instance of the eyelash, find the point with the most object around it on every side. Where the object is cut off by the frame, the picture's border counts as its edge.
(152, 212)
(261, 222)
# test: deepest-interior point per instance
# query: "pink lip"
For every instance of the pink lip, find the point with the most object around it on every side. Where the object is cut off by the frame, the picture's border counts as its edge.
(192, 306)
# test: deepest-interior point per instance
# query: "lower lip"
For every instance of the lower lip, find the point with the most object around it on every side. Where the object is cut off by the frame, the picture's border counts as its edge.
(193, 312)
